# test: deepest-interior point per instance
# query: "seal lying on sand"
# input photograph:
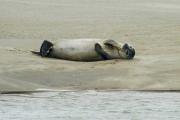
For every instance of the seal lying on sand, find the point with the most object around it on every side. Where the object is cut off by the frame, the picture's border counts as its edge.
(86, 50)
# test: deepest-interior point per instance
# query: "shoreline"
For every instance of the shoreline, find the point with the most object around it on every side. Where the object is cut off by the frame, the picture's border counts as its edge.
(103, 90)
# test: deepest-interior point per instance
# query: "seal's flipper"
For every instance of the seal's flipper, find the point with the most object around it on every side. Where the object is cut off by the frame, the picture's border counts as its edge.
(112, 44)
(101, 52)
(45, 48)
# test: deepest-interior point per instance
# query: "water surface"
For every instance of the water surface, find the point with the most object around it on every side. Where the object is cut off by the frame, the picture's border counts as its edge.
(91, 105)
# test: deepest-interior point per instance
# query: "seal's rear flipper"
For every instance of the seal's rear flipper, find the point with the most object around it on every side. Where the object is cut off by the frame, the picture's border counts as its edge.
(45, 48)
(101, 52)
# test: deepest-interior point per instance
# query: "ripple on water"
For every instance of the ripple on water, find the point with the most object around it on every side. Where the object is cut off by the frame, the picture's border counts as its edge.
(91, 105)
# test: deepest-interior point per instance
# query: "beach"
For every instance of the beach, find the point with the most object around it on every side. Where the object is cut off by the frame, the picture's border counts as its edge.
(152, 27)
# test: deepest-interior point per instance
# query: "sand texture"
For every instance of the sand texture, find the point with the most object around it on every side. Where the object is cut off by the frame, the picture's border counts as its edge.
(151, 26)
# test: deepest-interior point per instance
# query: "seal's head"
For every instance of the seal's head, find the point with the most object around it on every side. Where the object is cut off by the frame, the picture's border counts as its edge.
(124, 50)
(129, 51)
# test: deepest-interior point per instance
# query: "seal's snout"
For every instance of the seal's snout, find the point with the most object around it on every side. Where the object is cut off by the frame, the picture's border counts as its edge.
(130, 51)
(45, 48)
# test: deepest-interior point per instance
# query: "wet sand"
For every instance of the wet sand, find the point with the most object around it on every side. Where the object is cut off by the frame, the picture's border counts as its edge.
(152, 27)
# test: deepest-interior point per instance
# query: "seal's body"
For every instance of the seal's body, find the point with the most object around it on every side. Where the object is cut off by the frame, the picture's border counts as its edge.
(78, 49)
(86, 49)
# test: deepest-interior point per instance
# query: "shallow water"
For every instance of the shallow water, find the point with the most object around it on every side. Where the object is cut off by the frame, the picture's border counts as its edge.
(91, 105)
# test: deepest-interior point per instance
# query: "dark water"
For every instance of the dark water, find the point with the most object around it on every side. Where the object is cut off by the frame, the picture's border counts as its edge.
(91, 105)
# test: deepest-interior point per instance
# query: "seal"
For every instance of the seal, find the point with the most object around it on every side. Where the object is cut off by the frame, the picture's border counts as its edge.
(86, 49)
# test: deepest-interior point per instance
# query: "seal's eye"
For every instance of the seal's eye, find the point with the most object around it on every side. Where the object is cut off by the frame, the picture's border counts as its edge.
(125, 46)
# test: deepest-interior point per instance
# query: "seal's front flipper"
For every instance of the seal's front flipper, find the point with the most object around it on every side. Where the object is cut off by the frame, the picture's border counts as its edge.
(46, 48)
(101, 52)
(112, 44)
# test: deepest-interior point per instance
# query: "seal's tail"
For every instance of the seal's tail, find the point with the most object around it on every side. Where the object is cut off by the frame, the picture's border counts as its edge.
(36, 53)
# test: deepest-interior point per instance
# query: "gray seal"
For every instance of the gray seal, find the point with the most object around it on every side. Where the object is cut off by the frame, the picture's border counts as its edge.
(86, 49)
